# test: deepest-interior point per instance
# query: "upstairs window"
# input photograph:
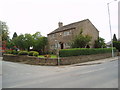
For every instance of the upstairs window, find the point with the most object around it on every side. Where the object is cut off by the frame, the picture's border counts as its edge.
(66, 33)
(52, 36)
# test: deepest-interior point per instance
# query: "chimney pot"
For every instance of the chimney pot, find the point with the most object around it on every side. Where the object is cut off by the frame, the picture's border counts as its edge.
(60, 24)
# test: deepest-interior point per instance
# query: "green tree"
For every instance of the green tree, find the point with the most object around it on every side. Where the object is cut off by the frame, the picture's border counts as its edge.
(23, 42)
(20, 42)
(81, 41)
(117, 45)
(100, 43)
(36, 35)
(4, 30)
(10, 44)
(14, 35)
(114, 39)
(28, 42)
(37, 41)
(40, 44)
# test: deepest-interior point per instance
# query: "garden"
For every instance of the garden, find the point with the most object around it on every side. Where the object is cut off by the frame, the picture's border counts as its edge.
(29, 53)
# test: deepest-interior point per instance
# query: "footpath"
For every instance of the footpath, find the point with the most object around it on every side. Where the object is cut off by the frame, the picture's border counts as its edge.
(98, 61)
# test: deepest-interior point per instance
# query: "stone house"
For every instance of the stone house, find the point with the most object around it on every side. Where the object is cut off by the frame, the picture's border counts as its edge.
(63, 35)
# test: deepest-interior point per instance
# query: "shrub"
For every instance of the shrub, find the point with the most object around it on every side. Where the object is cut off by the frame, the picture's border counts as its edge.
(83, 51)
(35, 54)
(117, 45)
(31, 53)
(23, 53)
(15, 52)
(8, 51)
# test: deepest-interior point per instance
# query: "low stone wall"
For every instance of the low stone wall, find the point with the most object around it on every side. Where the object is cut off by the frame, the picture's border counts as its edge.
(63, 61)
(30, 60)
(84, 58)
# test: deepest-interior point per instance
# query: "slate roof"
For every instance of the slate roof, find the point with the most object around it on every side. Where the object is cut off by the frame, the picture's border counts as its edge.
(67, 27)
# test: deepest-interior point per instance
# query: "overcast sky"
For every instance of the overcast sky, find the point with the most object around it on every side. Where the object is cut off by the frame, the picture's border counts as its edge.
(30, 16)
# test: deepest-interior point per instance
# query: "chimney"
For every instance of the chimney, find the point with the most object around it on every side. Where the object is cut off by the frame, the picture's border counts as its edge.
(60, 24)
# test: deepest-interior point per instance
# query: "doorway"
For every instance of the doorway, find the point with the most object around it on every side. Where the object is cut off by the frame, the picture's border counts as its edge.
(61, 45)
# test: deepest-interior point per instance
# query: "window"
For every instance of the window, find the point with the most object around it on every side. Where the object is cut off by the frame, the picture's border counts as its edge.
(52, 46)
(66, 33)
(52, 35)
(67, 45)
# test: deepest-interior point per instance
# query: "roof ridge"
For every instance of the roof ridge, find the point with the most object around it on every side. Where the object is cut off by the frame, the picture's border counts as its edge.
(58, 29)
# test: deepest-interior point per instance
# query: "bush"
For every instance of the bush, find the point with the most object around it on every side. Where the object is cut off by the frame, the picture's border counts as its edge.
(15, 52)
(83, 51)
(23, 53)
(8, 51)
(31, 53)
(117, 45)
(35, 54)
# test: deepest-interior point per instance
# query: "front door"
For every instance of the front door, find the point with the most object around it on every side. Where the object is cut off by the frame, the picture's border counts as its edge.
(61, 45)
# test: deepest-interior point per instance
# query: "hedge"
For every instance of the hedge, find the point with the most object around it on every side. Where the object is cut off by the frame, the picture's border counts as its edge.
(33, 53)
(83, 51)
(23, 53)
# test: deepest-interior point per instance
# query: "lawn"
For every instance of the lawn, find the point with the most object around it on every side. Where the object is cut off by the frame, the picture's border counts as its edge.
(52, 56)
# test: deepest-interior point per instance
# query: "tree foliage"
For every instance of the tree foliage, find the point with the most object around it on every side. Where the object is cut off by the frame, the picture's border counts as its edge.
(117, 45)
(114, 37)
(37, 41)
(5, 32)
(23, 42)
(100, 43)
(81, 41)
(14, 35)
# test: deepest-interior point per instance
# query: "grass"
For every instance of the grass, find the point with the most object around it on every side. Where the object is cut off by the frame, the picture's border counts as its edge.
(52, 56)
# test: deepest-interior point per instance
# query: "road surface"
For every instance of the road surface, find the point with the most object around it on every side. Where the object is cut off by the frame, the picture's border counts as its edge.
(16, 75)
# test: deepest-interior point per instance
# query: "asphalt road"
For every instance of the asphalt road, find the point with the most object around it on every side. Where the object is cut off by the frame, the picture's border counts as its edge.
(16, 75)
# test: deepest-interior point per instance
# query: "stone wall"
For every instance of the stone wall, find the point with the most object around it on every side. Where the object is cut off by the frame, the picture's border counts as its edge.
(84, 58)
(30, 60)
(52, 62)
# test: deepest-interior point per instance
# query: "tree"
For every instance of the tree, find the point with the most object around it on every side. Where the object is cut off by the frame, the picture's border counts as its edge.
(100, 43)
(40, 43)
(23, 42)
(117, 45)
(14, 35)
(19, 42)
(28, 41)
(10, 44)
(114, 39)
(5, 32)
(81, 41)
(37, 41)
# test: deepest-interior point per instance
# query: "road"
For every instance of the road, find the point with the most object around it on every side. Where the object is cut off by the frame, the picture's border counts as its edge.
(16, 75)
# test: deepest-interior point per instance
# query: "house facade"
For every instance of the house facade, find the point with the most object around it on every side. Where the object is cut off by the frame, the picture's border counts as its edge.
(63, 35)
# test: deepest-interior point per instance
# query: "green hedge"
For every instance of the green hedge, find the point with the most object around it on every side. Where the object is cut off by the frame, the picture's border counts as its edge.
(32, 53)
(83, 51)
(23, 53)
(15, 52)
(8, 51)
(35, 54)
